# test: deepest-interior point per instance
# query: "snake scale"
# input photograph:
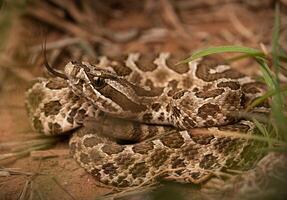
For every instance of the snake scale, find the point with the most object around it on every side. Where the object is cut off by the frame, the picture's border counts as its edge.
(141, 118)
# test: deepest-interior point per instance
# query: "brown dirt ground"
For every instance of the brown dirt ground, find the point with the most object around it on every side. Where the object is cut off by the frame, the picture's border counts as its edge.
(145, 26)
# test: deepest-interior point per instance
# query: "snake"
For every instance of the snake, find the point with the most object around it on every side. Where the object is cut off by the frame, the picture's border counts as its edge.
(138, 119)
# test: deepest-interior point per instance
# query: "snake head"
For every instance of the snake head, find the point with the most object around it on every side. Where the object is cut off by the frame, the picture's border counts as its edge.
(109, 92)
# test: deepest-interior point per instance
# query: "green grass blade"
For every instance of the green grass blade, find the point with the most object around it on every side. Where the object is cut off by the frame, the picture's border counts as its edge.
(263, 98)
(263, 131)
(223, 49)
(275, 40)
(277, 104)
(266, 73)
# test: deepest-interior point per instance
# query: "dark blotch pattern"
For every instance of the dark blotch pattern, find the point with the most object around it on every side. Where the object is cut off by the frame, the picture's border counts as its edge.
(233, 85)
(209, 94)
(52, 108)
(209, 123)
(159, 157)
(208, 161)
(179, 94)
(110, 169)
(71, 115)
(152, 131)
(139, 170)
(81, 115)
(142, 92)
(208, 109)
(37, 124)
(145, 63)
(156, 106)
(173, 87)
(55, 128)
(136, 133)
(226, 145)
(72, 97)
(252, 88)
(91, 142)
(173, 140)
(167, 108)
(96, 156)
(195, 175)
(147, 117)
(120, 68)
(188, 123)
(34, 99)
(96, 174)
(211, 62)
(187, 82)
(190, 152)
(161, 117)
(233, 99)
(173, 91)
(143, 148)
(121, 182)
(179, 68)
(202, 139)
(176, 112)
(124, 160)
(177, 163)
(84, 158)
(112, 149)
(173, 84)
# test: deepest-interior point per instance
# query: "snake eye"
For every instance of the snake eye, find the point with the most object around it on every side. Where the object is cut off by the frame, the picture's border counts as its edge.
(99, 82)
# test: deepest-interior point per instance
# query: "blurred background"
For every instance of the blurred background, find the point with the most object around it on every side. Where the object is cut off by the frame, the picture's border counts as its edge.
(83, 30)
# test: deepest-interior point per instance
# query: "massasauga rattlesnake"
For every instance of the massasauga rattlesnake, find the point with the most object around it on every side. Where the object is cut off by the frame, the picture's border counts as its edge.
(147, 118)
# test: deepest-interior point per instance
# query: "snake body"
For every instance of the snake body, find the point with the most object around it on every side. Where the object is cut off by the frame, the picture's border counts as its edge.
(147, 119)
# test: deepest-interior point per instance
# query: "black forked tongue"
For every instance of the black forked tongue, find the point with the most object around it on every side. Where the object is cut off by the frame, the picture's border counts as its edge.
(53, 71)
(49, 68)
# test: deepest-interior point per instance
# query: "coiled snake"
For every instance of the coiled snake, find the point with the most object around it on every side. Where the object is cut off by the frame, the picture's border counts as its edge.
(147, 117)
